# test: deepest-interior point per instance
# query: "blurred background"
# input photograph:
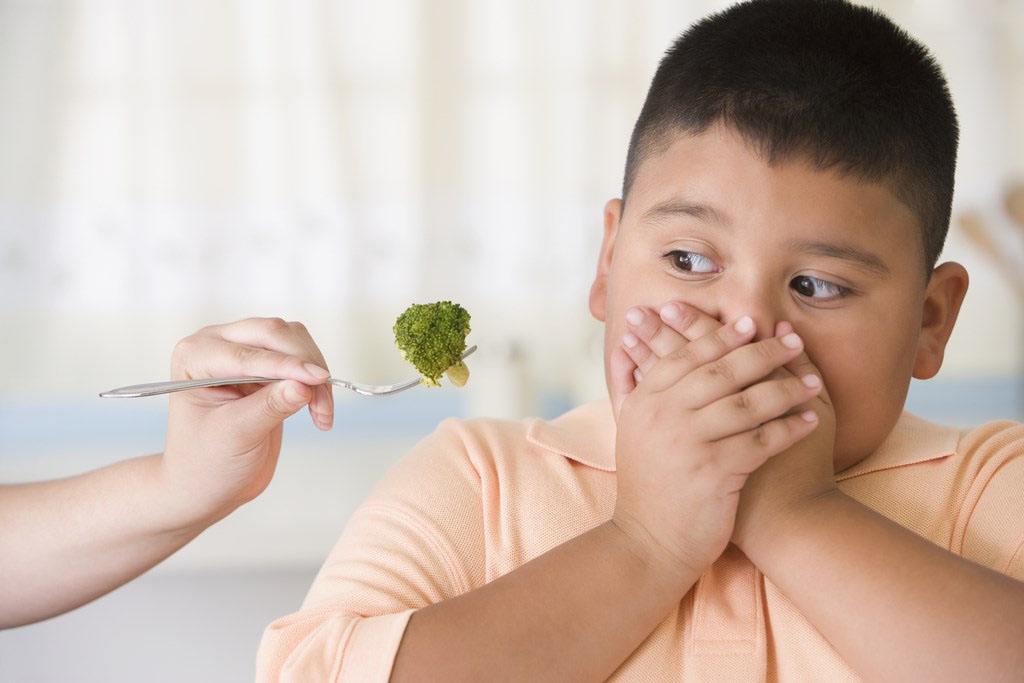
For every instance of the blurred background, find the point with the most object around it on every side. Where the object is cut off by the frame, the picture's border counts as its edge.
(168, 164)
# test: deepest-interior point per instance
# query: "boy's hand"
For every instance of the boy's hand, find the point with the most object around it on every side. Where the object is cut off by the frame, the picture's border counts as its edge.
(780, 486)
(223, 442)
(804, 472)
(699, 422)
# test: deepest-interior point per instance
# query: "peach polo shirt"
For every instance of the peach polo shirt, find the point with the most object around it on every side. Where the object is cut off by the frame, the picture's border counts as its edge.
(478, 498)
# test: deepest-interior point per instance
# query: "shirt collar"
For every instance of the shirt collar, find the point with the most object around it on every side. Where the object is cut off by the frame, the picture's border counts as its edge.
(586, 434)
(912, 440)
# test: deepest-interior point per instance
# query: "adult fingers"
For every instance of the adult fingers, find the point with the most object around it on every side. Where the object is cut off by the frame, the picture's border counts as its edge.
(289, 337)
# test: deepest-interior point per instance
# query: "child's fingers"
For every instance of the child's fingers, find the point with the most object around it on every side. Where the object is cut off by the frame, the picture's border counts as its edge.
(753, 406)
(659, 334)
(666, 330)
(645, 324)
(639, 353)
(688, 321)
(738, 368)
(621, 377)
(692, 356)
(743, 453)
(801, 366)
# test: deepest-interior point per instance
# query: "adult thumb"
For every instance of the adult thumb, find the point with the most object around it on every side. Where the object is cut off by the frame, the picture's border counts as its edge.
(263, 410)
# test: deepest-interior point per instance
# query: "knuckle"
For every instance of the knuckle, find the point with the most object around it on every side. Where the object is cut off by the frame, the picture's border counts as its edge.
(762, 437)
(778, 399)
(794, 390)
(649, 326)
(722, 369)
(706, 468)
(684, 354)
(688, 315)
(663, 338)
(291, 365)
(274, 405)
(275, 324)
(298, 327)
(243, 355)
(183, 349)
(719, 342)
(742, 402)
(768, 351)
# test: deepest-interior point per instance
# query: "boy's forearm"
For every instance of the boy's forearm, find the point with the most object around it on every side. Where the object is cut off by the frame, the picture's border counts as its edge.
(895, 606)
(575, 613)
(66, 542)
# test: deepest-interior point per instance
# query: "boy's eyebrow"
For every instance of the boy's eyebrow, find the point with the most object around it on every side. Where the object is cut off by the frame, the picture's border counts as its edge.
(859, 257)
(709, 214)
(676, 205)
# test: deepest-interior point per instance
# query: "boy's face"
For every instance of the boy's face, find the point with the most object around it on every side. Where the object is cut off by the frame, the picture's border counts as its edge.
(838, 258)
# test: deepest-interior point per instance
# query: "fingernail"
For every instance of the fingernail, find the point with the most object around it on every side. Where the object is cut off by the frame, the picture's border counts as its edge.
(809, 416)
(637, 375)
(635, 316)
(316, 371)
(792, 340)
(744, 324)
(670, 312)
(629, 340)
(811, 381)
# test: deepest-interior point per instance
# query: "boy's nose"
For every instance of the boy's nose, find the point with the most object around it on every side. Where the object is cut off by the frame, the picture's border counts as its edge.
(763, 312)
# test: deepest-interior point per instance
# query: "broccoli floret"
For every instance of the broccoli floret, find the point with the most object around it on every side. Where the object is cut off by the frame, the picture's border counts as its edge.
(432, 337)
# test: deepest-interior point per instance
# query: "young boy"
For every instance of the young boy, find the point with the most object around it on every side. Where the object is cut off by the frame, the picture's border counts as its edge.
(751, 502)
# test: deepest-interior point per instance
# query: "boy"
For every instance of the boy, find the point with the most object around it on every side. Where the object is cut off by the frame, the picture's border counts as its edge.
(751, 501)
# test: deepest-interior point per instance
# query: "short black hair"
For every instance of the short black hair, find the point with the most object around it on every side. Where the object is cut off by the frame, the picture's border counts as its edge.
(824, 80)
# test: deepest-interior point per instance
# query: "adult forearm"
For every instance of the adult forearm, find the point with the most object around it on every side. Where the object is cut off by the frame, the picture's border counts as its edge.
(574, 613)
(66, 542)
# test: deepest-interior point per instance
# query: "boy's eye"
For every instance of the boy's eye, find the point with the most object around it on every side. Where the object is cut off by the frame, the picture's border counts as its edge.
(815, 288)
(691, 262)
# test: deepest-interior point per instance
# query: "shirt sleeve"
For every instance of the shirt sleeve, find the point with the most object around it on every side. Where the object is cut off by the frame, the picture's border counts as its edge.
(991, 524)
(415, 541)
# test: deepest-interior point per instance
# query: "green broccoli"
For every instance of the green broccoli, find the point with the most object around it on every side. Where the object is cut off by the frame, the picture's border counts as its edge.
(433, 337)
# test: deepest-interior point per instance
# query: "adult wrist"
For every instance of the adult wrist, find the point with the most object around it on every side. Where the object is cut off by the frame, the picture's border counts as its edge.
(189, 508)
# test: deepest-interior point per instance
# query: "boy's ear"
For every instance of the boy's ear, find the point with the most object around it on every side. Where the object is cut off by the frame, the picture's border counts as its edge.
(942, 298)
(599, 290)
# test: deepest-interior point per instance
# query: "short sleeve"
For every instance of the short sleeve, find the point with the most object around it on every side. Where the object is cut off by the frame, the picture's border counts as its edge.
(992, 518)
(415, 541)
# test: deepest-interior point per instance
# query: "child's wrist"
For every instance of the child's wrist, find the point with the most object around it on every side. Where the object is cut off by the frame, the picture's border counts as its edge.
(760, 540)
(666, 570)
